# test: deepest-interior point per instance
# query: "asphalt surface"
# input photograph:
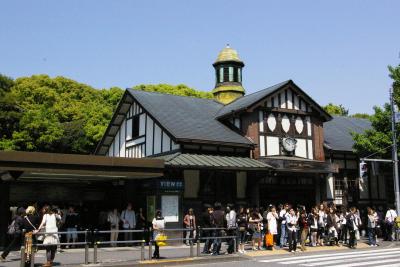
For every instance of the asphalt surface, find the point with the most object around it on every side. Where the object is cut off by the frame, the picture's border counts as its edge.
(386, 255)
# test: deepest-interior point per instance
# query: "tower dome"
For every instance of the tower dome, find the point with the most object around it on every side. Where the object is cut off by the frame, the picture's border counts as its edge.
(228, 73)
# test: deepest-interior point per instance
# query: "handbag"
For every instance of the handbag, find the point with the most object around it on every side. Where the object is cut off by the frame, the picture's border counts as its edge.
(269, 240)
(161, 240)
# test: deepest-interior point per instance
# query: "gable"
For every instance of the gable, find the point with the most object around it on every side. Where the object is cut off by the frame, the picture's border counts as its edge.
(283, 96)
(134, 133)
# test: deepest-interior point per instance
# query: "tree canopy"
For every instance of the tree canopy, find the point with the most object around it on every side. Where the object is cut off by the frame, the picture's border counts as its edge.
(379, 139)
(336, 110)
(179, 89)
(45, 114)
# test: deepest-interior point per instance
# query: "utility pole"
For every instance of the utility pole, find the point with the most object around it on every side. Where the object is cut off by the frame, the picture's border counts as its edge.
(394, 156)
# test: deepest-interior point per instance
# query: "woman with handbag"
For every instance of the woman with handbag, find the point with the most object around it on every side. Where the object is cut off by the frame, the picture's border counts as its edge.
(51, 240)
(242, 222)
(272, 232)
(30, 223)
(158, 233)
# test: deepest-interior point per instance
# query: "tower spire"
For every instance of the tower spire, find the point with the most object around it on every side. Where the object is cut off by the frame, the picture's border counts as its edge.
(228, 70)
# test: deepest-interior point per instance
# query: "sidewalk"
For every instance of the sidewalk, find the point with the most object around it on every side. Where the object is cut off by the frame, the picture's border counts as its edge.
(170, 255)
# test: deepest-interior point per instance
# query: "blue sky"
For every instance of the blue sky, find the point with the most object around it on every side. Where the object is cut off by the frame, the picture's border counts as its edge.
(337, 51)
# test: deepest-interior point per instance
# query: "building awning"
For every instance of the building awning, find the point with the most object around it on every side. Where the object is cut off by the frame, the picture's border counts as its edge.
(295, 164)
(18, 165)
(196, 161)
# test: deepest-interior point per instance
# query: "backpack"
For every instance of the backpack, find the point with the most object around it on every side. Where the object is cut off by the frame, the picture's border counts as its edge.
(13, 228)
(397, 222)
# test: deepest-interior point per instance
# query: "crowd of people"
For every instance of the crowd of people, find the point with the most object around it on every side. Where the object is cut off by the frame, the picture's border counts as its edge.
(275, 227)
(288, 226)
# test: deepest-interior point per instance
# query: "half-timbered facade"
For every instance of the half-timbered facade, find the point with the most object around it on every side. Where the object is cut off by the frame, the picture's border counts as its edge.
(265, 147)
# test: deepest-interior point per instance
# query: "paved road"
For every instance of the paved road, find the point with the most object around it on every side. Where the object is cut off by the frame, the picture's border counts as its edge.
(382, 257)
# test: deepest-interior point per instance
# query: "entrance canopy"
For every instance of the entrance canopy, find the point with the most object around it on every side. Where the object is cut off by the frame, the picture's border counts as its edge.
(28, 166)
(295, 164)
(213, 162)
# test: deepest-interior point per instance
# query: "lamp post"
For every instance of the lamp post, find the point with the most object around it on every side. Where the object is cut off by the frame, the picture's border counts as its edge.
(394, 156)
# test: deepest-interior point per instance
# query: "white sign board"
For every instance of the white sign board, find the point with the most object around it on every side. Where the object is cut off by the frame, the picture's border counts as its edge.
(170, 208)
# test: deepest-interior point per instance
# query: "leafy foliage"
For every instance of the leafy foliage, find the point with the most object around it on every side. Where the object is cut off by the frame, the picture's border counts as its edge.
(40, 113)
(336, 110)
(379, 139)
(59, 115)
(179, 89)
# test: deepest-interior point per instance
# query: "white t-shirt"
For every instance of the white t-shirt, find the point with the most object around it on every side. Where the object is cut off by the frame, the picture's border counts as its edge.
(292, 219)
(158, 224)
(272, 225)
(390, 215)
(282, 214)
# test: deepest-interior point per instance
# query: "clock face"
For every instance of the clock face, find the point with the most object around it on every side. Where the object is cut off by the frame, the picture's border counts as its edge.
(289, 144)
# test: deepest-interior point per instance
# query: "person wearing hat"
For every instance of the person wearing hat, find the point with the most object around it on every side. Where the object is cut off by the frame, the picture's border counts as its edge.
(190, 223)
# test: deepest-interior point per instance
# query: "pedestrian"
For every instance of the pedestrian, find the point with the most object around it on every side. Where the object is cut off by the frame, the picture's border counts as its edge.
(353, 225)
(255, 222)
(49, 222)
(218, 218)
(322, 217)
(282, 218)
(113, 219)
(71, 224)
(331, 224)
(207, 222)
(141, 224)
(343, 225)
(242, 222)
(128, 219)
(30, 223)
(313, 223)
(231, 227)
(372, 222)
(190, 224)
(272, 226)
(158, 229)
(292, 222)
(304, 228)
(389, 221)
(15, 232)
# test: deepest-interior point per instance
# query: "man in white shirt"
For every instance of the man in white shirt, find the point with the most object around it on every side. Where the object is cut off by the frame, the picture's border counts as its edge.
(128, 218)
(390, 219)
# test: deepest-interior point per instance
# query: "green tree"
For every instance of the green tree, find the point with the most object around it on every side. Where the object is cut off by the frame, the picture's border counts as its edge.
(180, 89)
(60, 115)
(10, 113)
(339, 110)
(379, 138)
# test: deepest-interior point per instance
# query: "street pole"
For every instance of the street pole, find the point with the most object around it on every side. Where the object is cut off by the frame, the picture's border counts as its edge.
(394, 156)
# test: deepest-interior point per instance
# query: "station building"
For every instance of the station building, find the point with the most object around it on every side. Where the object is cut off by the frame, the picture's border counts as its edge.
(170, 152)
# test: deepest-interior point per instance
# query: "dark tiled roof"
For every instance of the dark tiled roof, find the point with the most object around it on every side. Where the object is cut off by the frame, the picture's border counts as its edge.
(248, 100)
(213, 161)
(337, 132)
(188, 117)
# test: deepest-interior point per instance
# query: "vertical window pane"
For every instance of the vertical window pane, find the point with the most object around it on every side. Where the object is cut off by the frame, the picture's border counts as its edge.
(231, 74)
(239, 72)
(235, 75)
(226, 74)
(221, 75)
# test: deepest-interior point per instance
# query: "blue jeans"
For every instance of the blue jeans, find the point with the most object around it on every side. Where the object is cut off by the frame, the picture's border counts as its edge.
(217, 242)
(371, 236)
(283, 235)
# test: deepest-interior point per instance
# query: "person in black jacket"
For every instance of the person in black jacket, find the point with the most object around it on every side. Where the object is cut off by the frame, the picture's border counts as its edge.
(218, 217)
(16, 237)
(206, 222)
(352, 225)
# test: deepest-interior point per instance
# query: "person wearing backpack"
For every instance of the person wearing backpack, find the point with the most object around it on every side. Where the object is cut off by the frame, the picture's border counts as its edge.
(372, 222)
(15, 232)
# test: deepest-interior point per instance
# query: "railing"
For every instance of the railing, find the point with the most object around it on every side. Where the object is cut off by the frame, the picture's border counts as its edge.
(91, 239)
